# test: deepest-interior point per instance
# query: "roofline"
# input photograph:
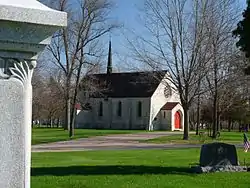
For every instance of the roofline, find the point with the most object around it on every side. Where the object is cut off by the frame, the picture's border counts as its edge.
(132, 72)
(122, 97)
(159, 84)
(177, 103)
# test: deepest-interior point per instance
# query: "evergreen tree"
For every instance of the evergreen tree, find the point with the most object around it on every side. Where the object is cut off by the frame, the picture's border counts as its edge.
(243, 33)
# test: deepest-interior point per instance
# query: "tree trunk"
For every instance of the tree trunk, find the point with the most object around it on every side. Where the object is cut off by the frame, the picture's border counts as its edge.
(65, 117)
(215, 97)
(68, 114)
(229, 122)
(186, 122)
(51, 123)
(198, 116)
(57, 122)
(73, 113)
(214, 128)
(68, 105)
(71, 129)
(218, 127)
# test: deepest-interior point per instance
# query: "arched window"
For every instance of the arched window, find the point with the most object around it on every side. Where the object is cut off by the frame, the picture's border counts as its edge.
(100, 113)
(119, 109)
(139, 109)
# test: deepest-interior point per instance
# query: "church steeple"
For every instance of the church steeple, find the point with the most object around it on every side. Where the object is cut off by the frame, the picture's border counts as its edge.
(109, 67)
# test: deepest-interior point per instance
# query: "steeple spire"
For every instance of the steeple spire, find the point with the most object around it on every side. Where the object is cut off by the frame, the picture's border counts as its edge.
(109, 67)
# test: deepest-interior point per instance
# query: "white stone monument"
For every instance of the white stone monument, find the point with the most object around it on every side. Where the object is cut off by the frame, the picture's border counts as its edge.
(26, 27)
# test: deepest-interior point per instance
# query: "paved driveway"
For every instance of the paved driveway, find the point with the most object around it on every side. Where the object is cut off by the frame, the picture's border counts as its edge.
(112, 142)
(103, 142)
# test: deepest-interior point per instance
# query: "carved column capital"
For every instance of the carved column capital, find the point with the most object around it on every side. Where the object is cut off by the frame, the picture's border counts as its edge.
(33, 63)
(22, 70)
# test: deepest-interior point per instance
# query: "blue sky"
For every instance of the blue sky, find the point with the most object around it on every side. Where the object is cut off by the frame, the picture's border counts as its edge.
(126, 12)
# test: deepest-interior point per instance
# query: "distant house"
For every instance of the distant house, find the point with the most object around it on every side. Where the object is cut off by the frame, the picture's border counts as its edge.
(131, 100)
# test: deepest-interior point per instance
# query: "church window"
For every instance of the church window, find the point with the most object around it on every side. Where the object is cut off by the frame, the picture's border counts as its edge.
(139, 109)
(164, 114)
(119, 109)
(100, 109)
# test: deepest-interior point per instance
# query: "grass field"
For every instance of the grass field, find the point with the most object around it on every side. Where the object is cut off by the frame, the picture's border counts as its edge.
(129, 169)
(228, 137)
(46, 135)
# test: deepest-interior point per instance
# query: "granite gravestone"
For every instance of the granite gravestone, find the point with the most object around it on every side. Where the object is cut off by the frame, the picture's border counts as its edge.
(218, 154)
(218, 157)
(26, 28)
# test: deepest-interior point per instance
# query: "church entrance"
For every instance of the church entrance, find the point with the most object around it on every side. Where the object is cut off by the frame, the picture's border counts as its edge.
(177, 120)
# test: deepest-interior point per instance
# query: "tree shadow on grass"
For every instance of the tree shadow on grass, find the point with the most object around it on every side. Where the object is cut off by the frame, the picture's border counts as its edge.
(109, 170)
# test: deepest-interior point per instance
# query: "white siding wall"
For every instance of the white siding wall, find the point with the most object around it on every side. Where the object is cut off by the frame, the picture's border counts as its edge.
(110, 118)
(158, 100)
(166, 121)
(83, 118)
(162, 123)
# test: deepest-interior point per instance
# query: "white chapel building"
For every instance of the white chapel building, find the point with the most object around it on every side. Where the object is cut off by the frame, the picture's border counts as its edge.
(131, 100)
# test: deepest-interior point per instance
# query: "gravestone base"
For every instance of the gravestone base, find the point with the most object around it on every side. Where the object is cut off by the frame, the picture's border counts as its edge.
(219, 168)
(218, 157)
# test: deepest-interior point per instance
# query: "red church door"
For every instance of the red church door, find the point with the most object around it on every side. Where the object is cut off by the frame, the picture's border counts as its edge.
(177, 120)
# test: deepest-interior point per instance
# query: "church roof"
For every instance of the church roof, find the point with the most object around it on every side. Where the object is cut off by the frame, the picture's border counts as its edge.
(126, 84)
(169, 105)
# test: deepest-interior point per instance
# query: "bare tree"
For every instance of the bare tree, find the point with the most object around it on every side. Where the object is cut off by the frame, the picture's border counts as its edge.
(73, 48)
(53, 103)
(177, 41)
(47, 101)
(221, 18)
(38, 88)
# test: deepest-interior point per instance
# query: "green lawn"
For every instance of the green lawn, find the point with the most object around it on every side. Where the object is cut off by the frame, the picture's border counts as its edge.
(129, 169)
(46, 135)
(228, 137)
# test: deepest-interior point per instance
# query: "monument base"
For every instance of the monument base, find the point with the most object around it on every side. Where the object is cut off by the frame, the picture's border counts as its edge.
(15, 130)
(219, 168)
(26, 29)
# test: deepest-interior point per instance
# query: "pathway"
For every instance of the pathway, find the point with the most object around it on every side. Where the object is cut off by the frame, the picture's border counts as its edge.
(111, 142)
